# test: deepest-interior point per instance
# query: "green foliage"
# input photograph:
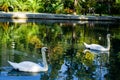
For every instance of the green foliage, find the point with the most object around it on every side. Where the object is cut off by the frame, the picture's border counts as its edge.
(116, 8)
(118, 56)
(117, 1)
(8, 5)
(101, 8)
(59, 6)
(52, 6)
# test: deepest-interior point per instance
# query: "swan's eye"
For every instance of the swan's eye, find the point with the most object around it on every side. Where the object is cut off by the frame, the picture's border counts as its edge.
(46, 49)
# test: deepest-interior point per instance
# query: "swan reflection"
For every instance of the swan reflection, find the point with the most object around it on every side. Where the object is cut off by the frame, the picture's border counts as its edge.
(14, 72)
(99, 55)
(100, 61)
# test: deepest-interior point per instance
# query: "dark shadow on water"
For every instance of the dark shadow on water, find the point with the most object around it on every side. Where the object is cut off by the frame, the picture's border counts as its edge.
(14, 72)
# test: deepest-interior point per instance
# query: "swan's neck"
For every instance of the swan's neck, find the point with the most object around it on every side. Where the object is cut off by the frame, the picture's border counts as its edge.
(44, 61)
(108, 43)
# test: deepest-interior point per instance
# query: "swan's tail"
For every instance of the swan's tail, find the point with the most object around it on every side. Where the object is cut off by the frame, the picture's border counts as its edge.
(14, 65)
(85, 44)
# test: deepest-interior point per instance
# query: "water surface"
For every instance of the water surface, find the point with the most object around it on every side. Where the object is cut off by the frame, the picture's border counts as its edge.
(66, 57)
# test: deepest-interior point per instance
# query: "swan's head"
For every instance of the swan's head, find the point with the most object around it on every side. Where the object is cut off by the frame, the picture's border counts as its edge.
(44, 49)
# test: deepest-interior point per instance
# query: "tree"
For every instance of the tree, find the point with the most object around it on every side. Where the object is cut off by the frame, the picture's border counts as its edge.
(86, 4)
(52, 6)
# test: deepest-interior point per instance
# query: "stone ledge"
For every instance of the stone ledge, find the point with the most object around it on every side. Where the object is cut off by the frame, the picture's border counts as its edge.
(48, 16)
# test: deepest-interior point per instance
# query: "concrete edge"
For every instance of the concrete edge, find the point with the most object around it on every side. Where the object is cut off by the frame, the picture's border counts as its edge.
(48, 16)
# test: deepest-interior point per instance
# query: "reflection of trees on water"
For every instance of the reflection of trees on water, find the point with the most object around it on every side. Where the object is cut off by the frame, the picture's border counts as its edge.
(115, 59)
(85, 69)
(101, 62)
(72, 70)
(65, 43)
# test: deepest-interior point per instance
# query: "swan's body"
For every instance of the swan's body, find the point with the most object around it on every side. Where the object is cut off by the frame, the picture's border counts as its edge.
(96, 47)
(99, 47)
(28, 66)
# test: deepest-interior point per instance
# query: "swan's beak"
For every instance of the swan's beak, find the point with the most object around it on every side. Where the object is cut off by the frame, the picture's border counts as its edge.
(46, 50)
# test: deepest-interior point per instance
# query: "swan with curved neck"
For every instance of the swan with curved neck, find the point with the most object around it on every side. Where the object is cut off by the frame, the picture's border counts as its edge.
(28, 66)
(99, 47)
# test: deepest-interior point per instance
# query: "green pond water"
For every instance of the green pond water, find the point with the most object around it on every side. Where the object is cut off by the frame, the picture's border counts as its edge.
(66, 58)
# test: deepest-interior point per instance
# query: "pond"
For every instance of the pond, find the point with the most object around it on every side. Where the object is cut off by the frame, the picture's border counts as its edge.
(67, 57)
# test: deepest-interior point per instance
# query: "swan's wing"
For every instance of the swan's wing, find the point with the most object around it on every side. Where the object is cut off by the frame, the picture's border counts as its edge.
(26, 66)
(93, 46)
(29, 66)
(96, 47)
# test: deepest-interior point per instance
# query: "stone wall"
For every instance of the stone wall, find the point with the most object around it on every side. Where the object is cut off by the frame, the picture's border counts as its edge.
(21, 15)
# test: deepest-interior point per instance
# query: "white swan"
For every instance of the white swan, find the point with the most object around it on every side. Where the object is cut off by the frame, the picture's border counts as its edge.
(99, 47)
(28, 66)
